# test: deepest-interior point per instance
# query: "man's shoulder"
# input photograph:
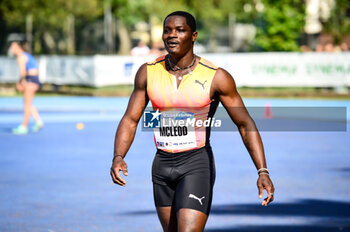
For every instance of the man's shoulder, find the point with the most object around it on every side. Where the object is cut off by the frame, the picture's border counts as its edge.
(156, 61)
(208, 64)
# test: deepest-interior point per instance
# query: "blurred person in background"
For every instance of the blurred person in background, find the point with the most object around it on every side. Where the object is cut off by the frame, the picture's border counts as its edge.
(328, 47)
(345, 44)
(319, 48)
(28, 84)
(305, 48)
(140, 50)
(344, 47)
(158, 49)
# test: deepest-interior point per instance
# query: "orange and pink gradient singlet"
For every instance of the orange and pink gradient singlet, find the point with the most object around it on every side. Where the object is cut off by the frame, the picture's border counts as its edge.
(181, 107)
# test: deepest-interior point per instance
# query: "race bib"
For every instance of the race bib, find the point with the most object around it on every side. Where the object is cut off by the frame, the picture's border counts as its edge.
(176, 131)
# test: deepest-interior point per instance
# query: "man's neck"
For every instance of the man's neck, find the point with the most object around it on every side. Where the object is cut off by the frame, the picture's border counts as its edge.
(184, 60)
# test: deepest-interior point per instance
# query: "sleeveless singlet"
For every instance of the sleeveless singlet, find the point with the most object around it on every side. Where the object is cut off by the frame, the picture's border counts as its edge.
(189, 102)
(31, 63)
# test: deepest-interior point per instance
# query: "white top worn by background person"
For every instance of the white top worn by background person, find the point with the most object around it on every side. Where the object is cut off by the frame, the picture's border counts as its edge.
(140, 50)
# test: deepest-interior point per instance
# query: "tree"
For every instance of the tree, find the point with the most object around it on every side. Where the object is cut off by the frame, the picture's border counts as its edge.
(280, 25)
(49, 18)
(339, 23)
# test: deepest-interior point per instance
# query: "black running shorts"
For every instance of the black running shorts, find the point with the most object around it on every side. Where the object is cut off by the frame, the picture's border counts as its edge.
(33, 79)
(184, 179)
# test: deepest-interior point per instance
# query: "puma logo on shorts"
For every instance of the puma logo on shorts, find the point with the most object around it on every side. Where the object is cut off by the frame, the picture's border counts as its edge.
(197, 198)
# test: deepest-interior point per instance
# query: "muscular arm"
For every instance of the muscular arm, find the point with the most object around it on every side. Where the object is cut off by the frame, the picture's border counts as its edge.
(127, 127)
(224, 88)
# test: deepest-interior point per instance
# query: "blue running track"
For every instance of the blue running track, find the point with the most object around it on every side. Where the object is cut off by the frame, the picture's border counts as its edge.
(58, 180)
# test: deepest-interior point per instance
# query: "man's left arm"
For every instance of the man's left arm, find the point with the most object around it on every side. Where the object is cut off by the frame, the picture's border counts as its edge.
(224, 88)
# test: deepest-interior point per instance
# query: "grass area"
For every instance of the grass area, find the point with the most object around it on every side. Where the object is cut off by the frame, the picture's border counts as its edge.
(70, 90)
(119, 90)
(295, 92)
(125, 90)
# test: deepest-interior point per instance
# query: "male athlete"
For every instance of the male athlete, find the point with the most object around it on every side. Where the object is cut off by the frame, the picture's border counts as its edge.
(183, 171)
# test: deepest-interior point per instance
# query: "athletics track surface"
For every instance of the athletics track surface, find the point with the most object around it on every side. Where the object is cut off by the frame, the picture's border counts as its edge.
(58, 179)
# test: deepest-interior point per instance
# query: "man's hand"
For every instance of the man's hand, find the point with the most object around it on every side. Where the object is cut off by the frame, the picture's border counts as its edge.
(264, 182)
(117, 166)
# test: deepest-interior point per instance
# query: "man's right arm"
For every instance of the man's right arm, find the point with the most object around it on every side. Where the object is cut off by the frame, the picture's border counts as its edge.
(127, 127)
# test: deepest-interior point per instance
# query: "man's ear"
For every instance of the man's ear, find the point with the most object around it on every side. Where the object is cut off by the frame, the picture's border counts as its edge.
(194, 36)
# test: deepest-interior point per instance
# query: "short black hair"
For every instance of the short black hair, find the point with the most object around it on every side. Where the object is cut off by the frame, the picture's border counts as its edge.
(190, 20)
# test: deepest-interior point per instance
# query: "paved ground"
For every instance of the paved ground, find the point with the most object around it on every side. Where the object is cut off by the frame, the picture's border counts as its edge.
(58, 179)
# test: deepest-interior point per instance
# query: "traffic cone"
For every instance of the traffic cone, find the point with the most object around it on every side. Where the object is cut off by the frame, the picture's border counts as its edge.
(268, 111)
